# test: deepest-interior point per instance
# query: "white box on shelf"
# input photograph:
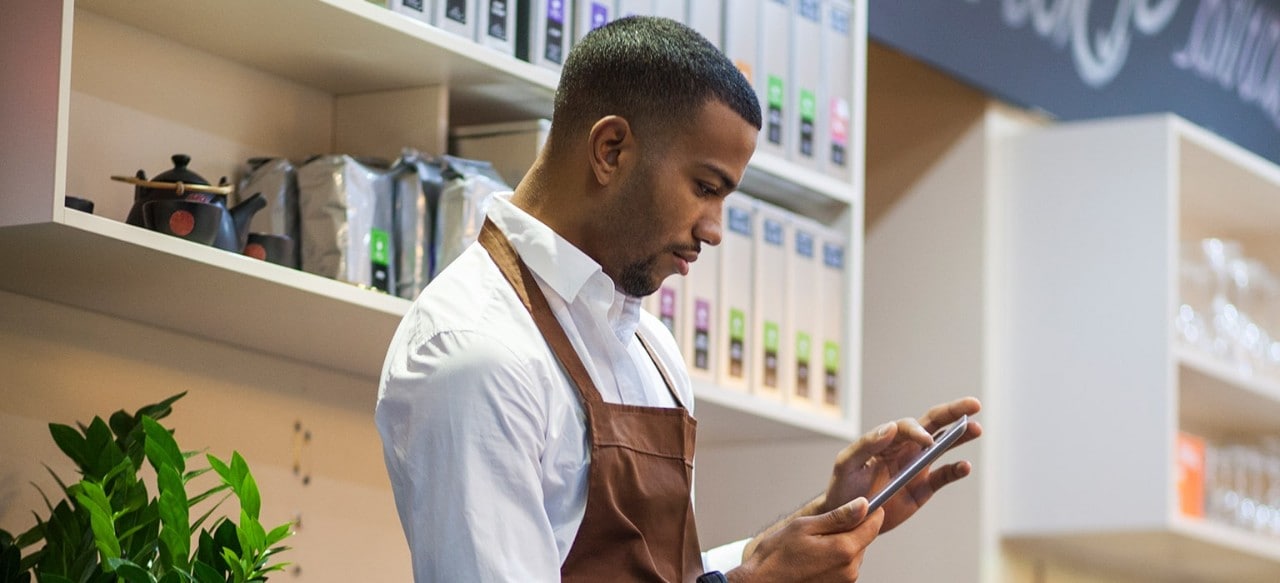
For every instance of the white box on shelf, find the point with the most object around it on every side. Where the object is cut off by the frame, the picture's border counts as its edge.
(736, 350)
(832, 298)
(589, 15)
(707, 17)
(770, 324)
(665, 305)
(415, 9)
(510, 147)
(456, 16)
(837, 51)
(497, 27)
(775, 76)
(674, 9)
(635, 8)
(700, 310)
(804, 270)
(742, 40)
(808, 69)
(543, 33)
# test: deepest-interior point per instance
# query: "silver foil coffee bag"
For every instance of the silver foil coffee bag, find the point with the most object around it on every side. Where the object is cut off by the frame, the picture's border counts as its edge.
(347, 210)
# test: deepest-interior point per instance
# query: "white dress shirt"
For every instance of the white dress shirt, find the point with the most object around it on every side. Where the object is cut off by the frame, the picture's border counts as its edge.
(483, 433)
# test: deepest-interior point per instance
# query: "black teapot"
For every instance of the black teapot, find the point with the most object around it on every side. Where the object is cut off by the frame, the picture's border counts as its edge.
(179, 183)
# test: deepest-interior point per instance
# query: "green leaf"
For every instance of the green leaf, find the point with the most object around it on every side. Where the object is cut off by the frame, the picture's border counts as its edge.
(94, 500)
(253, 539)
(207, 574)
(195, 526)
(187, 477)
(52, 578)
(278, 534)
(211, 492)
(160, 410)
(221, 468)
(176, 577)
(122, 424)
(175, 518)
(131, 572)
(162, 450)
(245, 486)
(71, 443)
(238, 572)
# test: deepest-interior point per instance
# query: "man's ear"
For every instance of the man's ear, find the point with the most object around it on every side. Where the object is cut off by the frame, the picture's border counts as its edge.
(611, 145)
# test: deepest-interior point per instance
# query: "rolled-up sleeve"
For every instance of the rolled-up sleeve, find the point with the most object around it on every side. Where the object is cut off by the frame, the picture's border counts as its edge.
(463, 431)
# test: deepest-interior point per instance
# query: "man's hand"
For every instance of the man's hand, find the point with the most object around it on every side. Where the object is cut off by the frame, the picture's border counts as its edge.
(823, 548)
(864, 467)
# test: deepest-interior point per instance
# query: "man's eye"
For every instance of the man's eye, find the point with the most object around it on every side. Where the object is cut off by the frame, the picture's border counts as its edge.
(707, 189)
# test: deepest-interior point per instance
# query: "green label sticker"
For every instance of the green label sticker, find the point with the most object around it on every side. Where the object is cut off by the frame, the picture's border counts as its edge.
(771, 336)
(808, 105)
(737, 325)
(804, 346)
(380, 246)
(776, 91)
(831, 356)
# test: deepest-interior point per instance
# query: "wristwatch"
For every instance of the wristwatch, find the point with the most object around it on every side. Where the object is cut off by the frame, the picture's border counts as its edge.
(713, 577)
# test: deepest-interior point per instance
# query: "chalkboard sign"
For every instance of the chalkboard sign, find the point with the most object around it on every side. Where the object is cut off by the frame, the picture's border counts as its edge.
(1214, 62)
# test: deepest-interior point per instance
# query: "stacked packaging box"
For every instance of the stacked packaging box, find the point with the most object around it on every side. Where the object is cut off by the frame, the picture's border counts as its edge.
(741, 39)
(707, 17)
(543, 31)
(497, 27)
(423, 10)
(832, 304)
(589, 15)
(699, 308)
(772, 364)
(775, 68)
(736, 352)
(837, 50)
(456, 16)
(665, 304)
(805, 317)
(807, 72)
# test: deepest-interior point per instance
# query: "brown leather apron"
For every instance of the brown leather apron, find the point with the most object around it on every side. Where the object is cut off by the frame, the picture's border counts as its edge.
(639, 523)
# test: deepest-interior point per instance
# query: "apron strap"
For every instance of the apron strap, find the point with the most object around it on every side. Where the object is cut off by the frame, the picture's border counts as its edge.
(662, 370)
(520, 278)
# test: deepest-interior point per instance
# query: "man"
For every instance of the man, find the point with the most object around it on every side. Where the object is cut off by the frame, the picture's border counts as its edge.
(536, 424)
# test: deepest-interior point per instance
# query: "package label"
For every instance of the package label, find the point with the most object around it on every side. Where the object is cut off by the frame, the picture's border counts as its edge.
(667, 308)
(839, 131)
(701, 334)
(811, 9)
(739, 221)
(380, 257)
(773, 232)
(456, 10)
(808, 121)
(737, 336)
(831, 363)
(415, 5)
(804, 244)
(771, 342)
(555, 32)
(776, 97)
(599, 15)
(833, 256)
(804, 346)
(498, 19)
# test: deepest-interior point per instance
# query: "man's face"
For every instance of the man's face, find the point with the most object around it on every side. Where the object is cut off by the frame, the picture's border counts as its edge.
(672, 201)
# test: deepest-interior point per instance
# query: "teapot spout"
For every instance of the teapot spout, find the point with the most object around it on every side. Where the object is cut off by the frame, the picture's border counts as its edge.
(242, 213)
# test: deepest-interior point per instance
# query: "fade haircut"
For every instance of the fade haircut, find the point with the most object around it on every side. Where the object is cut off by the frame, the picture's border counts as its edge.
(654, 72)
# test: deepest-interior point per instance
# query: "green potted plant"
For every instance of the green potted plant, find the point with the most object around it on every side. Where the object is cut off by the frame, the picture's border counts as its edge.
(109, 528)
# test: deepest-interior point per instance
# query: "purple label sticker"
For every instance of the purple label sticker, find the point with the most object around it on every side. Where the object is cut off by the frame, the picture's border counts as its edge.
(599, 15)
(667, 303)
(702, 315)
(555, 10)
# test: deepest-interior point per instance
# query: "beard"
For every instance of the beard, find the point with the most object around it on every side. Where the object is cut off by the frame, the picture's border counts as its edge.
(636, 278)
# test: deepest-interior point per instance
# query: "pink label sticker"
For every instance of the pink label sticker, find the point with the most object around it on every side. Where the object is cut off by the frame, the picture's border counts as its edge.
(840, 120)
(667, 303)
(702, 315)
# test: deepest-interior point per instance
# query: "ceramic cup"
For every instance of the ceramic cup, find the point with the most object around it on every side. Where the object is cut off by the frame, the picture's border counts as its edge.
(194, 221)
(276, 249)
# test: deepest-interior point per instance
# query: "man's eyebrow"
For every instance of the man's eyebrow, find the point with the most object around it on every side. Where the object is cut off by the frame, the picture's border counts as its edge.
(728, 183)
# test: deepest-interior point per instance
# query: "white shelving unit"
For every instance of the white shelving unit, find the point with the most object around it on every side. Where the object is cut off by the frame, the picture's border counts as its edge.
(1097, 387)
(102, 87)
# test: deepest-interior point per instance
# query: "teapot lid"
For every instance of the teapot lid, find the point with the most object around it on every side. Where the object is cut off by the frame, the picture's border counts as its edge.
(179, 172)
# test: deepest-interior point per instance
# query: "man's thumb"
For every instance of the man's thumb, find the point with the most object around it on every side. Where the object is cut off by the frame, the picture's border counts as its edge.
(843, 519)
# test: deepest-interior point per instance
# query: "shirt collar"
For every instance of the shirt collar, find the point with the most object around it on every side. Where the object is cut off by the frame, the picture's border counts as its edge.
(564, 268)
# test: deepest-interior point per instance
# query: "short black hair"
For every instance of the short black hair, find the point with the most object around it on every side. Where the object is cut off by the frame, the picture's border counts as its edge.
(654, 72)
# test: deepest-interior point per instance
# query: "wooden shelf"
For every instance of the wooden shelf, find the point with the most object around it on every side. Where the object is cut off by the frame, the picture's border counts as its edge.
(1184, 550)
(1217, 398)
(732, 416)
(135, 274)
(795, 187)
(346, 47)
(139, 275)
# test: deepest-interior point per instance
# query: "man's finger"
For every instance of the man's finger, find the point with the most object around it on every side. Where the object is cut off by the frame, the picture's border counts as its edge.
(940, 416)
(940, 477)
(844, 518)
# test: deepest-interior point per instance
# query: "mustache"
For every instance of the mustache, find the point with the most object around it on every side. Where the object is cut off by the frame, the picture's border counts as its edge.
(694, 248)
